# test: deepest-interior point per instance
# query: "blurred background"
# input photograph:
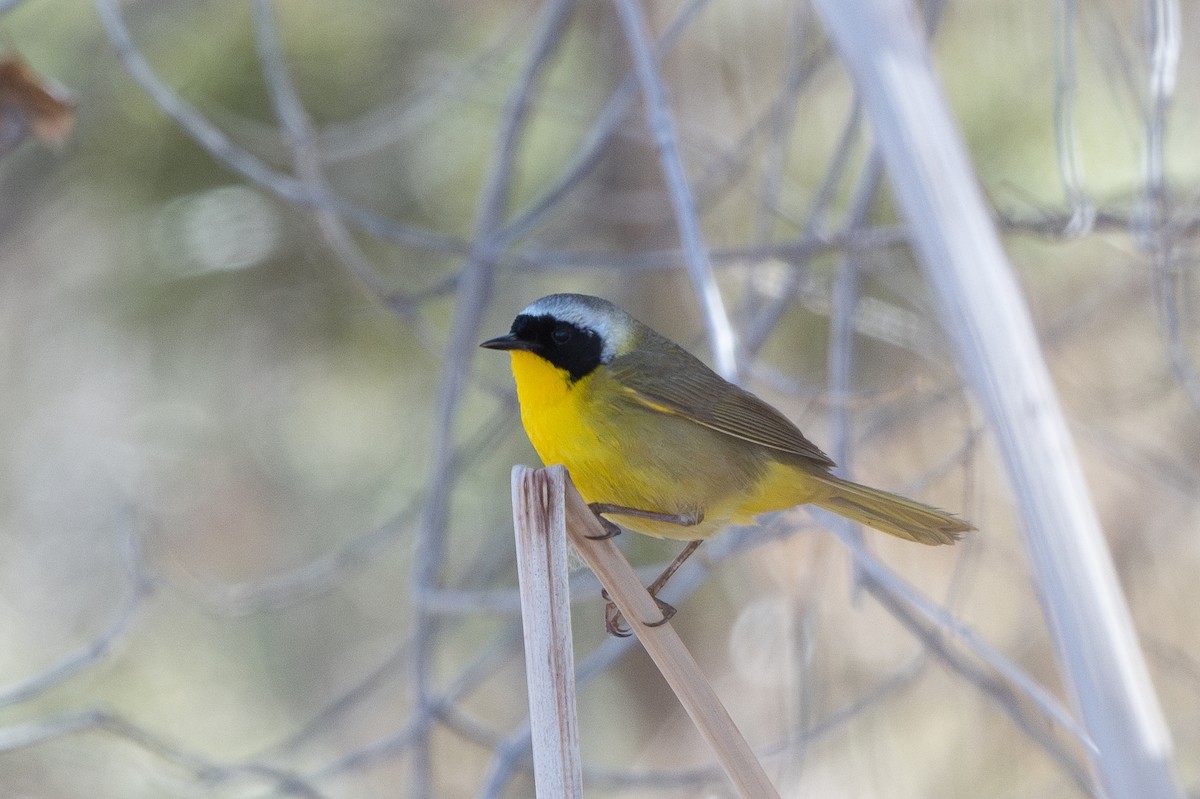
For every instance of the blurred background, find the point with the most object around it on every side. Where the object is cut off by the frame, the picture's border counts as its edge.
(255, 531)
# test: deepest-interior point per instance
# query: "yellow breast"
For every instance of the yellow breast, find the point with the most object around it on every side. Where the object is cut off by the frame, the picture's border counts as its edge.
(624, 453)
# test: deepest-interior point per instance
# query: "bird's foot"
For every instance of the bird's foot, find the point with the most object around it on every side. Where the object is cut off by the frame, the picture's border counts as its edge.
(614, 621)
(611, 530)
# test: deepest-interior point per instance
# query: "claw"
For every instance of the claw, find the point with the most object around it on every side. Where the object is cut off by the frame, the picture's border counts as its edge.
(668, 611)
(614, 622)
(611, 529)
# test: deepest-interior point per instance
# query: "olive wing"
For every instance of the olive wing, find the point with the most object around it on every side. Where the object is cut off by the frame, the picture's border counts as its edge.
(667, 378)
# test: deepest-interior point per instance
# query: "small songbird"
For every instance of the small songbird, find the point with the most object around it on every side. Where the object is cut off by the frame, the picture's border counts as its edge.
(662, 445)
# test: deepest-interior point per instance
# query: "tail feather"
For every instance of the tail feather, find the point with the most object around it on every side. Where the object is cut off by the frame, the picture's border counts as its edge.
(891, 513)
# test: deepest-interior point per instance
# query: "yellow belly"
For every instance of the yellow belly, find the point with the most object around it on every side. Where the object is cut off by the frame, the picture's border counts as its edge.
(623, 453)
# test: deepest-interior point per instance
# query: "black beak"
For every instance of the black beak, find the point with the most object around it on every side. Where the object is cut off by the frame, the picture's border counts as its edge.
(508, 342)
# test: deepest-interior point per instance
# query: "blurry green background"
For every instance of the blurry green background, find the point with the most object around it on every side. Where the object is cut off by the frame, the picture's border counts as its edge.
(219, 438)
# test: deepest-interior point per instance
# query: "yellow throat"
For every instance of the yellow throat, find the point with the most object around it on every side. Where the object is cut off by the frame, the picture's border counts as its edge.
(552, 410)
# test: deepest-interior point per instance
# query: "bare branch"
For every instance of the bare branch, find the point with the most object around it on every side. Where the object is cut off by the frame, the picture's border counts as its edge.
(474, 292)
(140, 587)
(662, 126)
(203, 770)
(218, 145)
(982, 310)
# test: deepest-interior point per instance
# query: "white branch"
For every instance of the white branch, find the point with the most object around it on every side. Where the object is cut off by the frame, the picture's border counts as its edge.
(982, 310)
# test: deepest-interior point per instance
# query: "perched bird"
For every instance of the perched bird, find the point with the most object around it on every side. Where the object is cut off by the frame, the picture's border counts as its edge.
(662, 445)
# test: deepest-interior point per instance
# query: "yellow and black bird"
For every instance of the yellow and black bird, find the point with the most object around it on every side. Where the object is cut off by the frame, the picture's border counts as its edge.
(661, 444)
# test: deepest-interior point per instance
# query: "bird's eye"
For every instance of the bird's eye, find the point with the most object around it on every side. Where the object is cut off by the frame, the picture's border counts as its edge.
(561, 334)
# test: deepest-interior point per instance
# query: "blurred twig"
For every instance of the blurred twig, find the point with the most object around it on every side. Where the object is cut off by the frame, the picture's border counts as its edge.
(704, 777)
(206, 771)
(414, 731)
(1168, 293)
(222, 148)
(1070, 163)
(474, 291)
(767, 318)
(1163, 38)
(140, 587)
(907, 605)
(329, 570)
(590, 151)
(841, 350)
(662, 126)
(298, 134)
(982, 310)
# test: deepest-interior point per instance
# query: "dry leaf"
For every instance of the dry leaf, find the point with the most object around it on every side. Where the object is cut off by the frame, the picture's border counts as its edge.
(30, 103)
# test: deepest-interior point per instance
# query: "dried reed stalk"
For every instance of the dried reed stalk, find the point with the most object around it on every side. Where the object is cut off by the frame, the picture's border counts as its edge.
(540, 527)
(678, 667)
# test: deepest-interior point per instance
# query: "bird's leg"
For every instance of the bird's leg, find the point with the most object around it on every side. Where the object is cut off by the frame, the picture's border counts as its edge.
(611, 529)
(660, 582)
(613, 622)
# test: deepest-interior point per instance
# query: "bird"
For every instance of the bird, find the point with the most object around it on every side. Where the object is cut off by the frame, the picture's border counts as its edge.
(658, 443)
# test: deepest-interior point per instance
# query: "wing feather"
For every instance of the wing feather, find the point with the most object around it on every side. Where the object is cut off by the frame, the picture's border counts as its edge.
(700, 395)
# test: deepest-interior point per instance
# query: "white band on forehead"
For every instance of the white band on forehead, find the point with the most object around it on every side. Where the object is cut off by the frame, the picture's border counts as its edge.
(601, 317)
